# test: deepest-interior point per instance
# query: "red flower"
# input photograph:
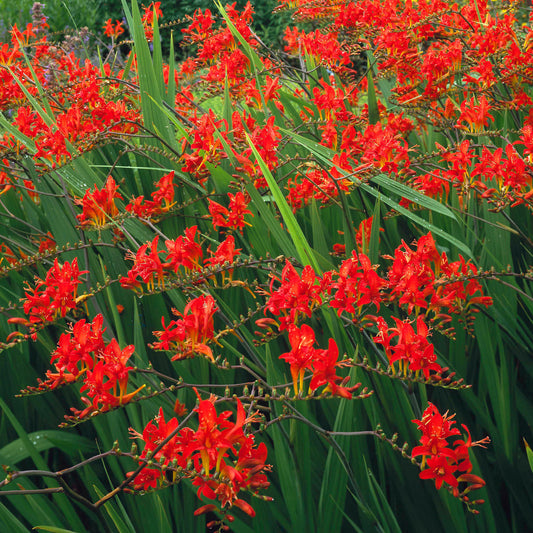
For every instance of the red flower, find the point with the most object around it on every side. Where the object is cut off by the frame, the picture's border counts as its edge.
(297, 293)
(301, 355)
(233, 217)
(153, 435)
(413, 350)
(443, 458)
(147, 266)
(148, 18)
(75, 349)
(113, 30)
(475, 115)
(364, 231)
(23, 38)
(200, 27)
(324, 365)
(184, 252)
(323, 47)
(189, 335)
(163, 199)
(225, 253)
(107, 382)
(9, 255)
(46, 243)
(99, 205)
(436, 430)
(441, 471)
(219, 458)
(82, 354)
(356, 285)
(54, 296)
(410, 276)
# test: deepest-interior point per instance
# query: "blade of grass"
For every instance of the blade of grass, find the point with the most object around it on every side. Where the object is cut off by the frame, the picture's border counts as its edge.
(120, 525)
(61, 500)
(373, 110)
(10, 522)
(17, 451)
(52, 529)
(304, 251)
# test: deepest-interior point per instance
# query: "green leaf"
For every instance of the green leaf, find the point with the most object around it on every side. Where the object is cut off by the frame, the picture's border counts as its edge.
(305, 253)
(40, 463)
(53, 529)
(25, 141)
(418, 220)
(30, 448)
(269, 222)
(157, 54)
(381, 505)
(46, 115)
(10, 522)
(373, 245)
(291, 486)
(151, 82)
(17, 450)
(113, 514)
(227, 107)
(529, 453)
(114, 311)
(373, 110)
(335, 477)
(411, 194)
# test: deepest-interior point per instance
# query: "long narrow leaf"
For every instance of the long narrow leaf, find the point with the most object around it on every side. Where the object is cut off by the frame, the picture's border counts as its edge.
(305, 253)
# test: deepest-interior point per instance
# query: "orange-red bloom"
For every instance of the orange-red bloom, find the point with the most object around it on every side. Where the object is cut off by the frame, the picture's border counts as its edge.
(113, 31)
(54, 296)
(447, 462)
(189, 335)
(99, 205)
(218, 456)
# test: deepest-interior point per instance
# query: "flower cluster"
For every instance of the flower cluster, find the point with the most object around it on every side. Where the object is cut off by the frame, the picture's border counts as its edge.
(412, 349)
(210, 139)
(418, 279)
(54, 296)
(148, 19)
(445, 461)
(84, 109)
(99, 205)
(322, 363)
(83, 355)
(297, 294)
(424, 83)
(323, 47)
(231, 217)
(218, 456)
(414, 274)
(113, 31)
(189, 335)
(217, 46)
(183, 255)
(357, 284)
(162, 199)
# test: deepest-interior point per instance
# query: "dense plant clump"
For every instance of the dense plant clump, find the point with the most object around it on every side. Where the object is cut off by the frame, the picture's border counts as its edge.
(217, 257)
